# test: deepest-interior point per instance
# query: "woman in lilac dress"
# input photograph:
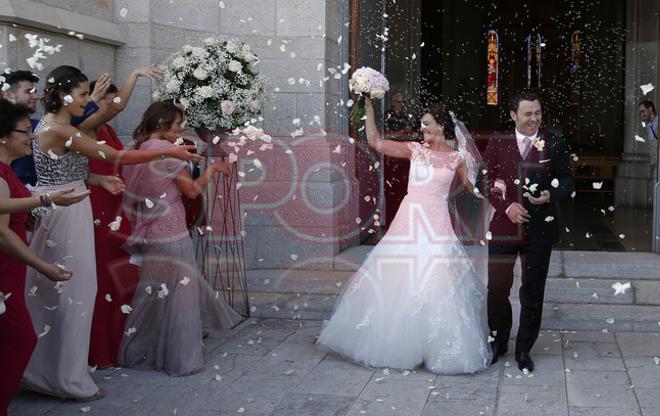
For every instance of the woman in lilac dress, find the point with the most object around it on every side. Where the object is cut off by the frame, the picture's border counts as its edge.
(164, 329)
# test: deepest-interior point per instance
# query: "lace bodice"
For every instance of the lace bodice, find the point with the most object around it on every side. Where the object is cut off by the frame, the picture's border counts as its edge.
(55, 169)
(431, 172)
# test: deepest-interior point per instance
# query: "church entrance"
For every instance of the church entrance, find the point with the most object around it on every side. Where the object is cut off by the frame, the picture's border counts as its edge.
(476, 55)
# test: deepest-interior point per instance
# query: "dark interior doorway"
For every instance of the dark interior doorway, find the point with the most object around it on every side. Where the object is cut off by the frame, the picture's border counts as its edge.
(572, 53)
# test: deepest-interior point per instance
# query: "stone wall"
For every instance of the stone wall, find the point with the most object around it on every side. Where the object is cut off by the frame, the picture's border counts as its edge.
(94, 53)
(298, 206)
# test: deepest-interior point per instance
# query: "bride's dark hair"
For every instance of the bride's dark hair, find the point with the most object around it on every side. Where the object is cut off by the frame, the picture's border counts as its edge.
(62, 79)
(439, 111)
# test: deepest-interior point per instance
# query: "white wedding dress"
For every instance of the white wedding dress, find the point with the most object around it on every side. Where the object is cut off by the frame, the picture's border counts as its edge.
(417, 299)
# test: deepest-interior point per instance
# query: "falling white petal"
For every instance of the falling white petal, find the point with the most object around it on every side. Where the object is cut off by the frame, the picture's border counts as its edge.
(620, 288)
(45, 331)
(646, 88)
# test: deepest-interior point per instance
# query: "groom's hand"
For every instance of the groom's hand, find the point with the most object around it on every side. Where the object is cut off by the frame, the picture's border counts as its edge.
(517, 213)
(544, 198)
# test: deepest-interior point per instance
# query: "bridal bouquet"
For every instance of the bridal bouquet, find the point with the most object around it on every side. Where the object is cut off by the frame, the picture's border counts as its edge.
(215, 82)
(365, 81)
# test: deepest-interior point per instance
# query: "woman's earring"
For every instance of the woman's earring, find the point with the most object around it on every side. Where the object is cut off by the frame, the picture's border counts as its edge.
(3, 142)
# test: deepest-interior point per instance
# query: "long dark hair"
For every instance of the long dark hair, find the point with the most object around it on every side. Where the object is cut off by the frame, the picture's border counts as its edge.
(158, 116)
(62, 79)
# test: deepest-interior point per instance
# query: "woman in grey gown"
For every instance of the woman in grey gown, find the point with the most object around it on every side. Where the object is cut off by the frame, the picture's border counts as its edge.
(164, 329)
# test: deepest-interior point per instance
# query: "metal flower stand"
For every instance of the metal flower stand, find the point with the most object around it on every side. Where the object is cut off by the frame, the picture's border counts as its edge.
(219, 240)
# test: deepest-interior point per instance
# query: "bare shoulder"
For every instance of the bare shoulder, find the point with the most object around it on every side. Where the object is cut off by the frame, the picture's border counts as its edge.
(58, 130)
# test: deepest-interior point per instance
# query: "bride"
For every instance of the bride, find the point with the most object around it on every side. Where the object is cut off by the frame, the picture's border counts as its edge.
(417, 299)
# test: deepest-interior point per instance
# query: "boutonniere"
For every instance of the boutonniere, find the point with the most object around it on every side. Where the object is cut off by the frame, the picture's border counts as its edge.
(538, 143)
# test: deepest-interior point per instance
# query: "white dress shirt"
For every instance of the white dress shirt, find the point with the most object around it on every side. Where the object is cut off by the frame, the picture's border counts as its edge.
(520, 139)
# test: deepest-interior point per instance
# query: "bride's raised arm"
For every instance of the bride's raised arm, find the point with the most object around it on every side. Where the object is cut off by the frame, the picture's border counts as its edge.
(386, 147)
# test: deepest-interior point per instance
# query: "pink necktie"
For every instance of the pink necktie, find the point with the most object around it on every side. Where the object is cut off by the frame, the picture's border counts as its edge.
(527, 146)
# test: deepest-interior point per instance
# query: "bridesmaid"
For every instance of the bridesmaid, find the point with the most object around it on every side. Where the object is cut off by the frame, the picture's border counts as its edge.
(58, 366)
(116, 277)
(164, 330)
(17, 336)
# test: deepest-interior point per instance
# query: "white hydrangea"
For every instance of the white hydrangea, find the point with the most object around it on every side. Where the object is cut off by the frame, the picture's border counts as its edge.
(198, 52)
(249, 57)
(205, 91)
(235, 66)
(232, 47)
(227, 107)
(255, 106)
(179, 62)
(200, 74)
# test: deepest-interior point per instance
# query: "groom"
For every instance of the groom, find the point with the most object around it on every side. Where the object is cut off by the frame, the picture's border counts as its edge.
(528, 173)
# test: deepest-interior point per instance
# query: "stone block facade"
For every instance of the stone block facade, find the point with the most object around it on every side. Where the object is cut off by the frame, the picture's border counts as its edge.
(290, 209)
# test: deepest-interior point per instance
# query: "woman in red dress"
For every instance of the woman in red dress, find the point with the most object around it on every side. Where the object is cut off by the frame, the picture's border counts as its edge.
(17, 336)
(116, 277)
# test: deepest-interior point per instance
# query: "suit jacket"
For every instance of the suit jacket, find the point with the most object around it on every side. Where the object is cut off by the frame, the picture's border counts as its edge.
(542, 167)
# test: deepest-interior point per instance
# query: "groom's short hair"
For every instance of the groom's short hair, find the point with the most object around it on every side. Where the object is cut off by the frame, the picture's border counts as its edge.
(523, 96)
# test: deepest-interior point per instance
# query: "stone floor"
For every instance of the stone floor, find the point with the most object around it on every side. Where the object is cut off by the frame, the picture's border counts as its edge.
(272, 367)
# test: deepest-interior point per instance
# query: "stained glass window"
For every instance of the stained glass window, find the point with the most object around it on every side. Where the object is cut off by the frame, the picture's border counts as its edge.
(534, 56)
(576, 55)
(492, 59)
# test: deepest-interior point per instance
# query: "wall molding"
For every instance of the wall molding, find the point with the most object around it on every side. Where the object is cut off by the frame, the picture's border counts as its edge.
(53, 19)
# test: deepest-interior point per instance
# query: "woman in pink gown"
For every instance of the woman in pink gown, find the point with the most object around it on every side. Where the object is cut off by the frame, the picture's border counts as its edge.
(417, 299)
(164, 329)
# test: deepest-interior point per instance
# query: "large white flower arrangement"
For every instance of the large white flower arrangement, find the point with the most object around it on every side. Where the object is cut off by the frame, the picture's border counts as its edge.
(215, 82)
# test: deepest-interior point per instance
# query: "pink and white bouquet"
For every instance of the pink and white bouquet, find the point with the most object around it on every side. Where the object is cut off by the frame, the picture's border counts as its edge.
(366, 81)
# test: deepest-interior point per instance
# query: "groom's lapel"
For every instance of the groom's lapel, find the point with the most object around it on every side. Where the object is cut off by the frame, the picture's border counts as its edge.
(512, 149)
(536, 156)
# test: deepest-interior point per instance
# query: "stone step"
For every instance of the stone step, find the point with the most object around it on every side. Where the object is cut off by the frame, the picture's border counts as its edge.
(558, 289)
(557, 316)
(570, 303)
(574, 264)
(591, 317)
(294, 294)
(600, 291)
